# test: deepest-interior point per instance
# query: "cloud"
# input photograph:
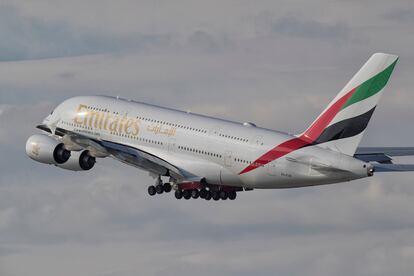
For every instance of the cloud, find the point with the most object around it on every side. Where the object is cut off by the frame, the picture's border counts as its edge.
(405, 15)
(25, 37)
(310, 29)
(128, 232)
(205, 42)
(295, 26)
(278, 69)
(20, 120)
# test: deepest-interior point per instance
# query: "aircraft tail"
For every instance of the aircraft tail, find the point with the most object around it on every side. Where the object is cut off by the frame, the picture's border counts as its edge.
(341, 125)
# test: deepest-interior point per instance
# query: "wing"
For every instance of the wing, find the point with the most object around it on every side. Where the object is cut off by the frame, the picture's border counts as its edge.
(127, 154)
(381, 158)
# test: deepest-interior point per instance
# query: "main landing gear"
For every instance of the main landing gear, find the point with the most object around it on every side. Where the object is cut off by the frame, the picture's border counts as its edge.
(205, 194)
(159, 188)
(194, 190)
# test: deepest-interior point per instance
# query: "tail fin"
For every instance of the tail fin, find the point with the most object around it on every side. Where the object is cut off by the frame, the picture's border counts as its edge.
(341, 125)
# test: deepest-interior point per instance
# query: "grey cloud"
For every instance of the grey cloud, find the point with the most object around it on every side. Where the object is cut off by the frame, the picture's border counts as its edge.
(203, 41)
(20, 120)
(101, 222)
(295, 27)
(400, 15)
(67, 75)
(24, 37)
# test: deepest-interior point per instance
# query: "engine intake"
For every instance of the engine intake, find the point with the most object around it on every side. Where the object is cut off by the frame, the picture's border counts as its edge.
(79, 161)
(86, 161)
(45, 149)
(60, 154)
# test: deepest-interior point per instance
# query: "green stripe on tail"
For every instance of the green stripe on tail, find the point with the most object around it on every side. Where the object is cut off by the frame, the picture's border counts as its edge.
(371, 86)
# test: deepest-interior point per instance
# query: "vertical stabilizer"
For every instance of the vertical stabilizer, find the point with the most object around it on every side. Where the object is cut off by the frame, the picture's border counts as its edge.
(341, 125)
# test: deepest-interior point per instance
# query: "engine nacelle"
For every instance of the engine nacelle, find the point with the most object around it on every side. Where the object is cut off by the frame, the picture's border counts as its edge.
(44, 149)
(79, 161)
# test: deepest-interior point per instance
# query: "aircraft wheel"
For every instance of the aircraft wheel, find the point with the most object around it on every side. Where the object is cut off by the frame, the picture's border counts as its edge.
(203, 193)
(215, 195)
(186, 194)
(208, 196)
(159, 189)
(178, 194)
(195, 194)
(151, 190)
(224, 195)
(167, 187)
(232, 195)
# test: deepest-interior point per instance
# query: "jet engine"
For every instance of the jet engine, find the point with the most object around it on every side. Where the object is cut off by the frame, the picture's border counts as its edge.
(79, 161)
(44, 149)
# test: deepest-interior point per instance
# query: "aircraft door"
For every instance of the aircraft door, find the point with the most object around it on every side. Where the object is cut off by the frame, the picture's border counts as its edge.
(215, 131)
(172, 145)
(258, 140)
(272, 168)
(228, 159)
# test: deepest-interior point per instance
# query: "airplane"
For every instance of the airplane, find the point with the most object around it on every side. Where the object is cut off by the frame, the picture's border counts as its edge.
(199, 156)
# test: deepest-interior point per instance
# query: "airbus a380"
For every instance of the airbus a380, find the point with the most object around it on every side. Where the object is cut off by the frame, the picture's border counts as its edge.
(203, 157)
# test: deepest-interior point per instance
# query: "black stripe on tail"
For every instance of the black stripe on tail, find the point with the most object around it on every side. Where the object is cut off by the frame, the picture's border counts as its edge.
(346, 128)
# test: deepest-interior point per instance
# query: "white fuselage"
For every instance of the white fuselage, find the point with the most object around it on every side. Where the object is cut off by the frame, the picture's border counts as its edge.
(215, 149)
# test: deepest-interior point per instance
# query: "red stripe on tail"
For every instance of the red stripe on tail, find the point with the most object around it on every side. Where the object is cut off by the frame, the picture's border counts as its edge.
(307, 138)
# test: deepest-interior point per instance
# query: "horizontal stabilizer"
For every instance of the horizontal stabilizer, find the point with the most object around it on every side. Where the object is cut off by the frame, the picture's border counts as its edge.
(393, 167)
(380, 158)
(390, 151)
(374, 157)
(382, 154)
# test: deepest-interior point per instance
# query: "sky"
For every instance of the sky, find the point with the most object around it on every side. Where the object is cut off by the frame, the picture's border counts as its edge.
(274, 63)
